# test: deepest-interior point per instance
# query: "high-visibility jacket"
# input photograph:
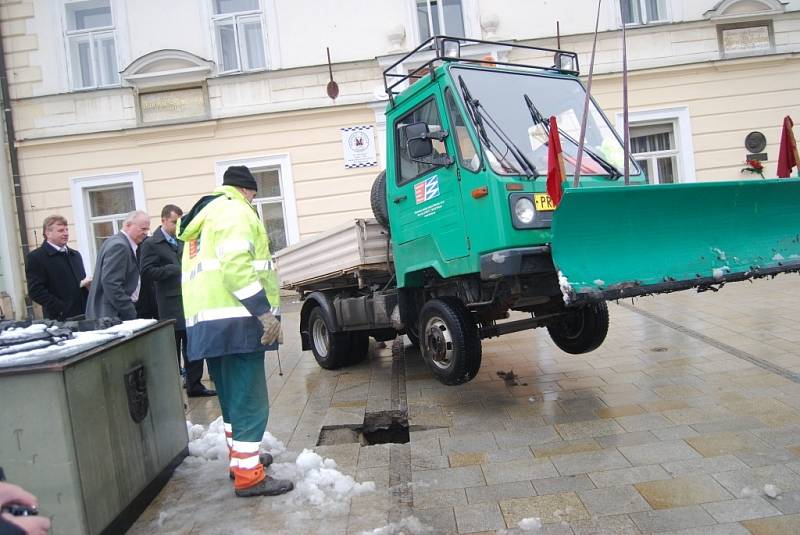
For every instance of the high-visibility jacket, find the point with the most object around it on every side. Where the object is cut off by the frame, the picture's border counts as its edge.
(228, 277)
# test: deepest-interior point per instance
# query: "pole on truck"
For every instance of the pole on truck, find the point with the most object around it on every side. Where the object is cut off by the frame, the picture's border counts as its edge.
(582, 137)
(626, 132)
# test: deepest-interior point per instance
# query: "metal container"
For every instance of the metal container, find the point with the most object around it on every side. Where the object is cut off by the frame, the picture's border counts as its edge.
(97, 435)
(358, 245)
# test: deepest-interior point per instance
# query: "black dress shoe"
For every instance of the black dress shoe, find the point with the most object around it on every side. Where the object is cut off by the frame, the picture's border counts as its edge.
(202, 393)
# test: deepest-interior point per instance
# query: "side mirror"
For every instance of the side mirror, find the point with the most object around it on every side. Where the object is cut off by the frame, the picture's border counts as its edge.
(418, 141)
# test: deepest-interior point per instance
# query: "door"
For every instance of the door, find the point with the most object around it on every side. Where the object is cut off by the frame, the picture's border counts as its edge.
(425, 201)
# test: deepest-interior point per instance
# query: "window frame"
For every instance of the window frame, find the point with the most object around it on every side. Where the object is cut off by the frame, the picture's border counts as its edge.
(399, 180)
(266, 40)
(666, 19)
(79, 188)
(469, 14)
(686, 171)
(284, 164)
(93, 35)
(450, 93)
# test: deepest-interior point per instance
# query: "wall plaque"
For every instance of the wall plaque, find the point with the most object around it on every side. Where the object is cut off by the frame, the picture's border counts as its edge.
(745, 39)
(173, 105)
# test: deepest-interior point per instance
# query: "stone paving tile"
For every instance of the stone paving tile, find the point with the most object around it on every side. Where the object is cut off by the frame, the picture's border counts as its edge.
(588, 429)
(581, 463)
(716, 529)
(643, 422)
(696, 415)
(622, 410)
(774, 526)
(502, 491)
(767, 456)
(520, 470)
(550, 509)
(787, 502)
(675, 433)
(501, 456)
(628, 476)
(705, 465)
(613, 501)
(373, 456)
(526, 437)
(734, 424)
(672, 519)
(724, 443)
(426, 499)
(450, 478)
(661, 452)
(558, 485)
(689, 490)
(477, 442)
(478, 517)
(628, 439)
(440, 519)
(565, 447)
(345, 455)
(740, 509)
(779, 438)
(605, 525)
(466, 459)
(756, 478)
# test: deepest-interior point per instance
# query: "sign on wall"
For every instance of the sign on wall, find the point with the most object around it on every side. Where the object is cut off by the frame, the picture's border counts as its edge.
(358, 143)
(172, 105)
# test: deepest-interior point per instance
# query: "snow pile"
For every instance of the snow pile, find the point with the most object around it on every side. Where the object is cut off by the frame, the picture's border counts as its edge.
(720, 253)
(566, 287)
(318, 483)
(778, 257)
(210, 444)
(771, 490)
(530, 524)
(407, 526)
(720, 272)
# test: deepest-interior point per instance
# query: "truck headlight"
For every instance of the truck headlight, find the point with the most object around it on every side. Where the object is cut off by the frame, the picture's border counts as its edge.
(523, 210)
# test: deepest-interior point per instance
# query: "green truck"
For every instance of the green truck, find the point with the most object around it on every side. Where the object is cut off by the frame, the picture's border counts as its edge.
(465, 232)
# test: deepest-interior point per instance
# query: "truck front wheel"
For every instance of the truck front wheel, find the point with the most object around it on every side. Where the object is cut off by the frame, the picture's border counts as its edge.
(449, 341)
(583, 331)
(335, 350)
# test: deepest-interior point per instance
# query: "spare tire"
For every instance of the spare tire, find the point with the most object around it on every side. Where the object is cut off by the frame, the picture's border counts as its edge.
(378, 200)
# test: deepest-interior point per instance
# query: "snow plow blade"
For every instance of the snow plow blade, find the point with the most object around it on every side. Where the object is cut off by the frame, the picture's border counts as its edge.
(614, 242)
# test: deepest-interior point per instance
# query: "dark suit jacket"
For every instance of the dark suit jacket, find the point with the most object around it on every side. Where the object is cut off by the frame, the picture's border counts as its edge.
(161, 263)
(116, 276)
(54, 281)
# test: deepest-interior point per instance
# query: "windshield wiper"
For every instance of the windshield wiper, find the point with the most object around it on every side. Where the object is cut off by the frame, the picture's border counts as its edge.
(538, 118)
(478, 114)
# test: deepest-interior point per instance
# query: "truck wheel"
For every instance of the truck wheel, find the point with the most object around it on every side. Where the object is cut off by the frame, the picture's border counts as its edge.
(377, 200)
(335, 350)
(449, 341)
(583, 331)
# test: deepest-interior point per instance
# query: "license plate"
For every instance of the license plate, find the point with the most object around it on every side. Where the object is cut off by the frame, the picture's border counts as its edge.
(543, 202)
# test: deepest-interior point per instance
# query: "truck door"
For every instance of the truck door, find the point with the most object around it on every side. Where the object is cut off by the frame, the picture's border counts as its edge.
(425, 201)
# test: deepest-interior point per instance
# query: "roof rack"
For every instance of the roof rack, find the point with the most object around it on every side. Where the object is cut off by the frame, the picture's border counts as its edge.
(439, 45)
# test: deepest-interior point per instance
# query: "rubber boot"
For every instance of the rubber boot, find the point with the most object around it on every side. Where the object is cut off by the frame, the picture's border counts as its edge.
(265, 458)
(266, 487)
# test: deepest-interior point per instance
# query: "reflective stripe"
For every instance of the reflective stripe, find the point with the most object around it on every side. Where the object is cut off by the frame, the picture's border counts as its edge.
(217, 314)
(245, 447)
(235, 246)
(205, 265)
(228, 428)
(248, 291)
(263, 265)
(276, 311)
(249, 463)
(234, 462)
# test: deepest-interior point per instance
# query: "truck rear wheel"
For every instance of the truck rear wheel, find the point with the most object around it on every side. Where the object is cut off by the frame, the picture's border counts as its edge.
(449, 341)
(335, 350)
(377, 200)
(583, 331)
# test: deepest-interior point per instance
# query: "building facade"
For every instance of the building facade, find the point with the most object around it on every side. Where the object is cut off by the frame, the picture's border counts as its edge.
(133, 104)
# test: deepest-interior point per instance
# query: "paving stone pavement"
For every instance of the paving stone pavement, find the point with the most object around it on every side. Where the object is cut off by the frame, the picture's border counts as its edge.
(674, 425)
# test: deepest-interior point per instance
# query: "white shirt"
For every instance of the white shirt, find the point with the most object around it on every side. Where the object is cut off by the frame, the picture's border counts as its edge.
(134, 246)
(58, 248)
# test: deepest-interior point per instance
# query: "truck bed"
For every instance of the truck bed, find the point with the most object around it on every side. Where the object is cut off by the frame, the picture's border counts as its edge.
(347, 255)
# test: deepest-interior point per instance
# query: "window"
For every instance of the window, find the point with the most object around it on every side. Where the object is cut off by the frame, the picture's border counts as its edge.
(467, 153)
(239, 35)
(409, 169)
(655, 151)
(91, 44)
(275, 201)
(644, 11)
(440, 17)
(107, 210)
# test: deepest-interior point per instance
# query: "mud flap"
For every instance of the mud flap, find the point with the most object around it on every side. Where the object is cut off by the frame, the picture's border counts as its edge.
(611, 242)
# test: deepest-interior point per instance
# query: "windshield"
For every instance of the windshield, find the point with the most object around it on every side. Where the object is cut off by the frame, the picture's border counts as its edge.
(502, 95)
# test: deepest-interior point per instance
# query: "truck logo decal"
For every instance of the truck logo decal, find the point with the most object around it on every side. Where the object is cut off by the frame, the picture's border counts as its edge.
(427, 189)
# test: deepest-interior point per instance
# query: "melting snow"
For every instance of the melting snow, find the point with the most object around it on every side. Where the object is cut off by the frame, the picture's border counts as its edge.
(720, 253)
(778, 257)
(771, 490)
(566, 287)
(748, 492)
(407, 526)
(599, 282)
(720, 272)
(530, 524)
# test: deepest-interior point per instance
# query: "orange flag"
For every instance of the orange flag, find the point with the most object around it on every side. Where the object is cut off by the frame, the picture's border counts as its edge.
(555, 164)
(787, 154)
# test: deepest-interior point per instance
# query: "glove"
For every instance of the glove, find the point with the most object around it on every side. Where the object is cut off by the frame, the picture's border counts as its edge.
(272, 328)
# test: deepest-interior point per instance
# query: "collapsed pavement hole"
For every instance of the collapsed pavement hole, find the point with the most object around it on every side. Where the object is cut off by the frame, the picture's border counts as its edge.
(388, 427)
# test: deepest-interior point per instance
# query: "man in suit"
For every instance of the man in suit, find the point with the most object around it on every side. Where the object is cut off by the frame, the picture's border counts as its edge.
(161, 264)
(56, 278)
(117, 284)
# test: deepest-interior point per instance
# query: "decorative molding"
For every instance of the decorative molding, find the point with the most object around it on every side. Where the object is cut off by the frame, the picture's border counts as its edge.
(737, 9)
(167, 68)
(489, 24)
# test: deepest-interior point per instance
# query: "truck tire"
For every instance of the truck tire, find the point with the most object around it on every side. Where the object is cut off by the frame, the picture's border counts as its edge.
(335, 350)
(582, 332)
(449, 341)
(377, 200)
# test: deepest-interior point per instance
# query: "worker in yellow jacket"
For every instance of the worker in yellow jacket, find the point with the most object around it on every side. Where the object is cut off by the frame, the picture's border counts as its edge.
(232, 308)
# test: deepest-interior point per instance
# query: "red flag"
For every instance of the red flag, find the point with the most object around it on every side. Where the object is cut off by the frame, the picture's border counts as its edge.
(555, 164)
(787, 155)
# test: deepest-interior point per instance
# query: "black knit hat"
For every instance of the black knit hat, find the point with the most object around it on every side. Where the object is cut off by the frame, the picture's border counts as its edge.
(239, 175)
